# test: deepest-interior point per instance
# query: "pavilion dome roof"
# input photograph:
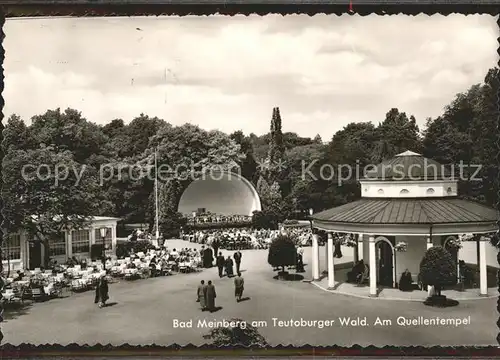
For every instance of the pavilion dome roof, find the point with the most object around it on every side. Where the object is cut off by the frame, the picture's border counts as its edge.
(410, 211)
(408, 166)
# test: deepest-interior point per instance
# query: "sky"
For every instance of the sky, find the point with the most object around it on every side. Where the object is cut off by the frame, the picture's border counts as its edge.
(228, 73)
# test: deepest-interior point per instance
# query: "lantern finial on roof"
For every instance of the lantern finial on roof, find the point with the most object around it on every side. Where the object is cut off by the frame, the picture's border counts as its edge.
(409, 153)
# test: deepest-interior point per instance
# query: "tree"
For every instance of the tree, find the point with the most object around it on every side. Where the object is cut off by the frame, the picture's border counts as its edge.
(69, 130)
(184, 154)
(248, 164)
(463, 135)
(301, 182)
(396, 134)
(438, 269)
(271, 200)
(282, 252)
(138, 134)
(114, 128)
(236, 336)
(44, 203)
(276, 144)
(276, 152)
(170, 225)
(187, 152)
(16, 135)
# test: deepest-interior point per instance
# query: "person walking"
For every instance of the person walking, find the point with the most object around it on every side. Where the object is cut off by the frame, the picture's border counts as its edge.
(229, 267)
(300, 259)
(237, 259)
(200, 295)
(239, 283)
(203, 256)
(101, 292)
(210, 296)
(220, 263)
(216, 244)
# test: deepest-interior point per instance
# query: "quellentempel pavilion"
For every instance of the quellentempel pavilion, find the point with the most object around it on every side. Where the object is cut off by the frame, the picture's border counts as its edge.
(408, 200)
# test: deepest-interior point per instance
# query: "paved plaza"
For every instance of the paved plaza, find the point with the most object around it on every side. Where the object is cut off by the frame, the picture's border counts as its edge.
(142, 312)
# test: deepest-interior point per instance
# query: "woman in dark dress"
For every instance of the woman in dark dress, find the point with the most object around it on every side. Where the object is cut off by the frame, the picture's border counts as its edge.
(229, 266)
(406, 281)
(101, 292)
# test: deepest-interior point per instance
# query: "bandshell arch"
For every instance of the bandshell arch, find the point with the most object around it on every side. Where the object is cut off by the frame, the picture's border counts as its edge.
(220, 191)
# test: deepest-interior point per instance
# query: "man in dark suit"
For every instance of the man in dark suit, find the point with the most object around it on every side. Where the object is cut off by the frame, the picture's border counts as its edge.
(237, 260)
(221, 262)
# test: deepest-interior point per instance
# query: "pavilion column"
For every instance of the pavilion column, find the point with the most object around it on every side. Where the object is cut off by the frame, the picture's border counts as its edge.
(359, 248)
(331, 274)
(315, 257)
(373, 266)
(430, 288)
(327, 257)
(483, 280)
(355, 254)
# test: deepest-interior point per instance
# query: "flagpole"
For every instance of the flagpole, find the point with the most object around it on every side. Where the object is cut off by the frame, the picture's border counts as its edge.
(156, 195)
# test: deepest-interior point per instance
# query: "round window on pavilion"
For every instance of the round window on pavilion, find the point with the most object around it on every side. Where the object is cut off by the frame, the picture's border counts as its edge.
(430, 191)
(380, 191)
(404, 192)
(449, 191)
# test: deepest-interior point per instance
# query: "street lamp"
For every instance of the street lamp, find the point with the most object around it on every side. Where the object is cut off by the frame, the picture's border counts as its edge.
(104, 232)
(194, 226)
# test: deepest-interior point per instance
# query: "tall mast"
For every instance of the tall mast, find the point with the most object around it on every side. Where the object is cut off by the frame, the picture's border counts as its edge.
(156, 194)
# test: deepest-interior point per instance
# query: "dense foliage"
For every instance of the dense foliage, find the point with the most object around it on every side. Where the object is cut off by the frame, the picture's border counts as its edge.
(238, 336)
(438, 268)
(125, 154)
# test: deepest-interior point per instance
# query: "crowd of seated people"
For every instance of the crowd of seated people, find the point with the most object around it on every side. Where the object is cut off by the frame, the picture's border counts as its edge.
(233, 238)
(210, 218)
(157, 262)
(246, 238)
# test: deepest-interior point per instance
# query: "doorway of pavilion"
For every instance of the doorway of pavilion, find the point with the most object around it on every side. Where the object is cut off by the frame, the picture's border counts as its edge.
(35, 254)
(453, 250)
(385, 263)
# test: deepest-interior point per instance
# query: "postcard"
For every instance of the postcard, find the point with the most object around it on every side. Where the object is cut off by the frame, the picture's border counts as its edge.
(250, 180)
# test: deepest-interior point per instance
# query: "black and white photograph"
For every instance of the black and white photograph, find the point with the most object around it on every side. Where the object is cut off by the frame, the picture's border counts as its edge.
(250, 180)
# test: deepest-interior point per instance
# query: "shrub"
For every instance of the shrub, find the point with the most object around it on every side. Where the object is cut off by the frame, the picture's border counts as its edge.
(438, 268)
(282, 252)
(247, 336)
